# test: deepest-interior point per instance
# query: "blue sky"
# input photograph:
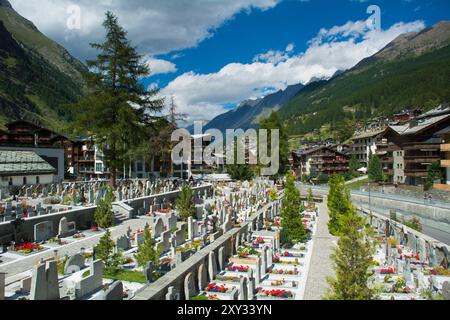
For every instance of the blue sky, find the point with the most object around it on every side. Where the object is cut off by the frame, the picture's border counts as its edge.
(211, 54)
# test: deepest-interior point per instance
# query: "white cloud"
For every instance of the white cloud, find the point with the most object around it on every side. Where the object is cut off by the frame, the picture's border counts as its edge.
(160, 66)
(156, 26)
(203, 96)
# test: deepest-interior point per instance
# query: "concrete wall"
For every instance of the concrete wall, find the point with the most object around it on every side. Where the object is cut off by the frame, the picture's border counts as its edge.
(421, 210)
(83, 218)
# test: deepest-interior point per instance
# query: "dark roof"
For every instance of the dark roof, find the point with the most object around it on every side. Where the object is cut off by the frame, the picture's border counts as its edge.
(23, 163)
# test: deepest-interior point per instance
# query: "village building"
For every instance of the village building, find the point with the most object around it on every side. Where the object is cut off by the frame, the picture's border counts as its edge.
(19, 168)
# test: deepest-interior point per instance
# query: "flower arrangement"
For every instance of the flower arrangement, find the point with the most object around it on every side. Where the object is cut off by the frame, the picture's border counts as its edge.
(277, 283)
(438, 271)
(283, 272)
(388, 271)
(78, 235)
(392, 242)
(238, 269)
(164, 211)
(244, 252)
(213, 287)
(276, 293)
(409, 256)
(228, 278)
(291, 263)
(94, 228)
(28, 247)
(260, 240)
(213, 297)
(291, 255)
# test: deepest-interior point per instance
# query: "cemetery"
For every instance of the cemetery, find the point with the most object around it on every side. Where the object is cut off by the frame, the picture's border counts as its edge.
(230, 246)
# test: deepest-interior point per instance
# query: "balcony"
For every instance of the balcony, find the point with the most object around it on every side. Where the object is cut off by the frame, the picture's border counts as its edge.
(416, 173)
(445, 163)
(422, 160)
(445, 147)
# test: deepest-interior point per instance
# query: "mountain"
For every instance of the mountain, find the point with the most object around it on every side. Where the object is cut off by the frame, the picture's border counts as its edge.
(412, 71)
(248, 113)
(38, 77)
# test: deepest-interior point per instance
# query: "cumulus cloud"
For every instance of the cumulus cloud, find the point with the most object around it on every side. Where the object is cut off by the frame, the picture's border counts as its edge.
(160, 66)
(156, 26)
(203, 96)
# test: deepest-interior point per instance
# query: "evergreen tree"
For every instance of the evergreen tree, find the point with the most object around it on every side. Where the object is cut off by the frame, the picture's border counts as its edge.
(352, 260)
(339, 203)
(105, 252)
(271, 123)
(375, 169)
(239, 172)
(433, 173)
(118, 109)
(104, 214)
(354, 165)
(292, 226)
(185, 203)
(147, 252)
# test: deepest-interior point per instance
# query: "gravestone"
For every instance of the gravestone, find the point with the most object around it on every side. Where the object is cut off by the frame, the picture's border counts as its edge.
(148, 272)
(25, 285)
(158, 227)
(2, 286)
(172, 294)
(243, 289)
(189, 287)
(138, 239)
(113, 293)
(91, 283)
(212, 265)
(66, 229)
(43, 231)
(123, 243)
(74, 264)
(221, 254)
(264, 261)
(202, 277)
(190, 229)
(251, 286)
(44, 283)
(445, 290)
(258, 271)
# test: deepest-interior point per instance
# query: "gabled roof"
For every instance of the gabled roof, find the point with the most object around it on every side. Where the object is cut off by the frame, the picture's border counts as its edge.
(422, 125)
(23, 163)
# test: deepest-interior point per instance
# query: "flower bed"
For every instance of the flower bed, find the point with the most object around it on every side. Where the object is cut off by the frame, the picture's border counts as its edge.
(438, 271)
(294, 272)
(28, 248)
(246, 251)
(283, 294)
(228, 278)
(238, 269)
(388, 271)
(213, 287)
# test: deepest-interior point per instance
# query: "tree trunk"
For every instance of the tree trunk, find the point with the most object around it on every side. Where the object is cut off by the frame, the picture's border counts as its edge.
(113, 175)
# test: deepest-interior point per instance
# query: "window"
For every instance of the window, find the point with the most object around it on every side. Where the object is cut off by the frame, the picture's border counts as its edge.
(24, 180)
(10, 182)
(37, 180)
(98, 167)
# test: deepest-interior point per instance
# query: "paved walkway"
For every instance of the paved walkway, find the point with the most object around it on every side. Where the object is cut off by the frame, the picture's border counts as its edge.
(321, 265)
(17, 267)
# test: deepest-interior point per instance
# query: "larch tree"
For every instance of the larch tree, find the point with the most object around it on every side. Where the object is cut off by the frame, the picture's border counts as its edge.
(118, 110)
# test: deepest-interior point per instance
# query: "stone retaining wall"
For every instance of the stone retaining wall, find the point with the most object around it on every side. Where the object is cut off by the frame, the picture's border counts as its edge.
(195, 264)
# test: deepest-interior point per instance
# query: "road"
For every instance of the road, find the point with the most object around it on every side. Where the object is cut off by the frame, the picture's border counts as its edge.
(436, 230)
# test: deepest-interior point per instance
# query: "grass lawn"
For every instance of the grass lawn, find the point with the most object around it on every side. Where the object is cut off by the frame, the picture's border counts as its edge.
(358, 184)
(128, 275)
